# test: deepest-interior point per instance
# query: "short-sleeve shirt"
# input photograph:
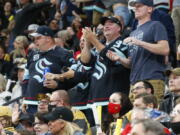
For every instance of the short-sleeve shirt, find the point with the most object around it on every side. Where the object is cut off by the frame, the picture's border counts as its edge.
(146, 65)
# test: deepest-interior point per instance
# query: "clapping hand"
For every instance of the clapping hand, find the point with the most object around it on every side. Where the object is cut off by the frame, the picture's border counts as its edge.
(112, 56)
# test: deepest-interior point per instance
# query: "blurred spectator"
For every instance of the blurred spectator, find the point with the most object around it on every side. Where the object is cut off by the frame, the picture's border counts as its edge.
(68, 10)
(5, 64)
(142, 87)
(18, 55)
(147, 49)
(45, 14)
(119, 105)
(41, 124)
(8, 14)
(17, 89)
(43, 104)
(27, 13)
(176, 18)
(5, 120)
(145, 100)
(60, 122)
(5, 37)
(61, 98)
(53, 25)
(26, 122)
(147, 126)
(107, 74)
(166, 20)
(169, 100)
(47, 56)
(63, 36)
(77, 27)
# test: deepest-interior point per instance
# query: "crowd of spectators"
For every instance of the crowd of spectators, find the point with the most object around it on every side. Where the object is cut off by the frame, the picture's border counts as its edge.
(89, 67)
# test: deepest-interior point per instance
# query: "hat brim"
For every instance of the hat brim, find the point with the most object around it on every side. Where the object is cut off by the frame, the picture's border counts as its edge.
(104, 19)
(50, 117)
(113, 19)
(35, 34)
(26, 118)
(133, 3)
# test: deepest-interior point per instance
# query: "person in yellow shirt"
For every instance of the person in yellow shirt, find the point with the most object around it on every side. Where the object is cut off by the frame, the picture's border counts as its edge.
(61, 98)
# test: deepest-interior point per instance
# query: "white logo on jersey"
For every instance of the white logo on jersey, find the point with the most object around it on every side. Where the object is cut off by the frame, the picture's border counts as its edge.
(39, 67)
(101, 70)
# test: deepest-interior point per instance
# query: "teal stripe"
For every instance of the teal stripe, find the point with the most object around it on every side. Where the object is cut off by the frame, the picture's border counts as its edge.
(101, 10)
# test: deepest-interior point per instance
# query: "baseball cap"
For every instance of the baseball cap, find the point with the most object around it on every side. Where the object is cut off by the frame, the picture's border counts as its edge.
(33, 27)
(21, 66)
(175, 71)
(144, 2)
(26, 117)
(60, 113)
(111, 18)
(43, 31)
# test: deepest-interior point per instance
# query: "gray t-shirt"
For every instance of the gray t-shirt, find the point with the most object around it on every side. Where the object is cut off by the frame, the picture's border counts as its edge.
(146, 65)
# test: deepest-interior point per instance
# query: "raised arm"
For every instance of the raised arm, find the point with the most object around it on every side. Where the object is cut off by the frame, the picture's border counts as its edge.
(160, 48)
(91, 37)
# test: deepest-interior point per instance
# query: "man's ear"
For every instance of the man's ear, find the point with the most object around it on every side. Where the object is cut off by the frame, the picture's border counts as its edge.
(150, 10)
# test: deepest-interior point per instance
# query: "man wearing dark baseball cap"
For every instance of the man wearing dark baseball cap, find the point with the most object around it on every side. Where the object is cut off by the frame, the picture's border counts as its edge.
(43, 31)
(148, 44)
(60, 122)
(101, 86)
(144, 2)
(60, 113)
(174, 87)
(111, 18)
(46, 56)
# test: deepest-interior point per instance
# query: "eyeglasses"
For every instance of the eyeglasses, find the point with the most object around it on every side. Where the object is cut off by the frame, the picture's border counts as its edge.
(137, 88)
(43, 102)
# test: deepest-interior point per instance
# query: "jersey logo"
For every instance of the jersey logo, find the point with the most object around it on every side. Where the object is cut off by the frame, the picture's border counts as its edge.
(36, 57)
(101, 70)
(83, 86)
(39, 67)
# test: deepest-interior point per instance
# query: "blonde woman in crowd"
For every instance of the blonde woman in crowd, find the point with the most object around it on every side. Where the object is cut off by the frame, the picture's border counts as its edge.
(60, 122)
(18, 55)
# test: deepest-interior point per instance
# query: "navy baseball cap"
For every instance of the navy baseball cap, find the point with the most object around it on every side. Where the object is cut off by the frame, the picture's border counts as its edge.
(43, 31)
(111, 18)
(60, 113)
(144, 2)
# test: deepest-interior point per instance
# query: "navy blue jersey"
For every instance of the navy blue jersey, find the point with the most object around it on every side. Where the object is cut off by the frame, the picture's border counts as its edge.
(55, 59)
(108, 76)
(79, 93)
